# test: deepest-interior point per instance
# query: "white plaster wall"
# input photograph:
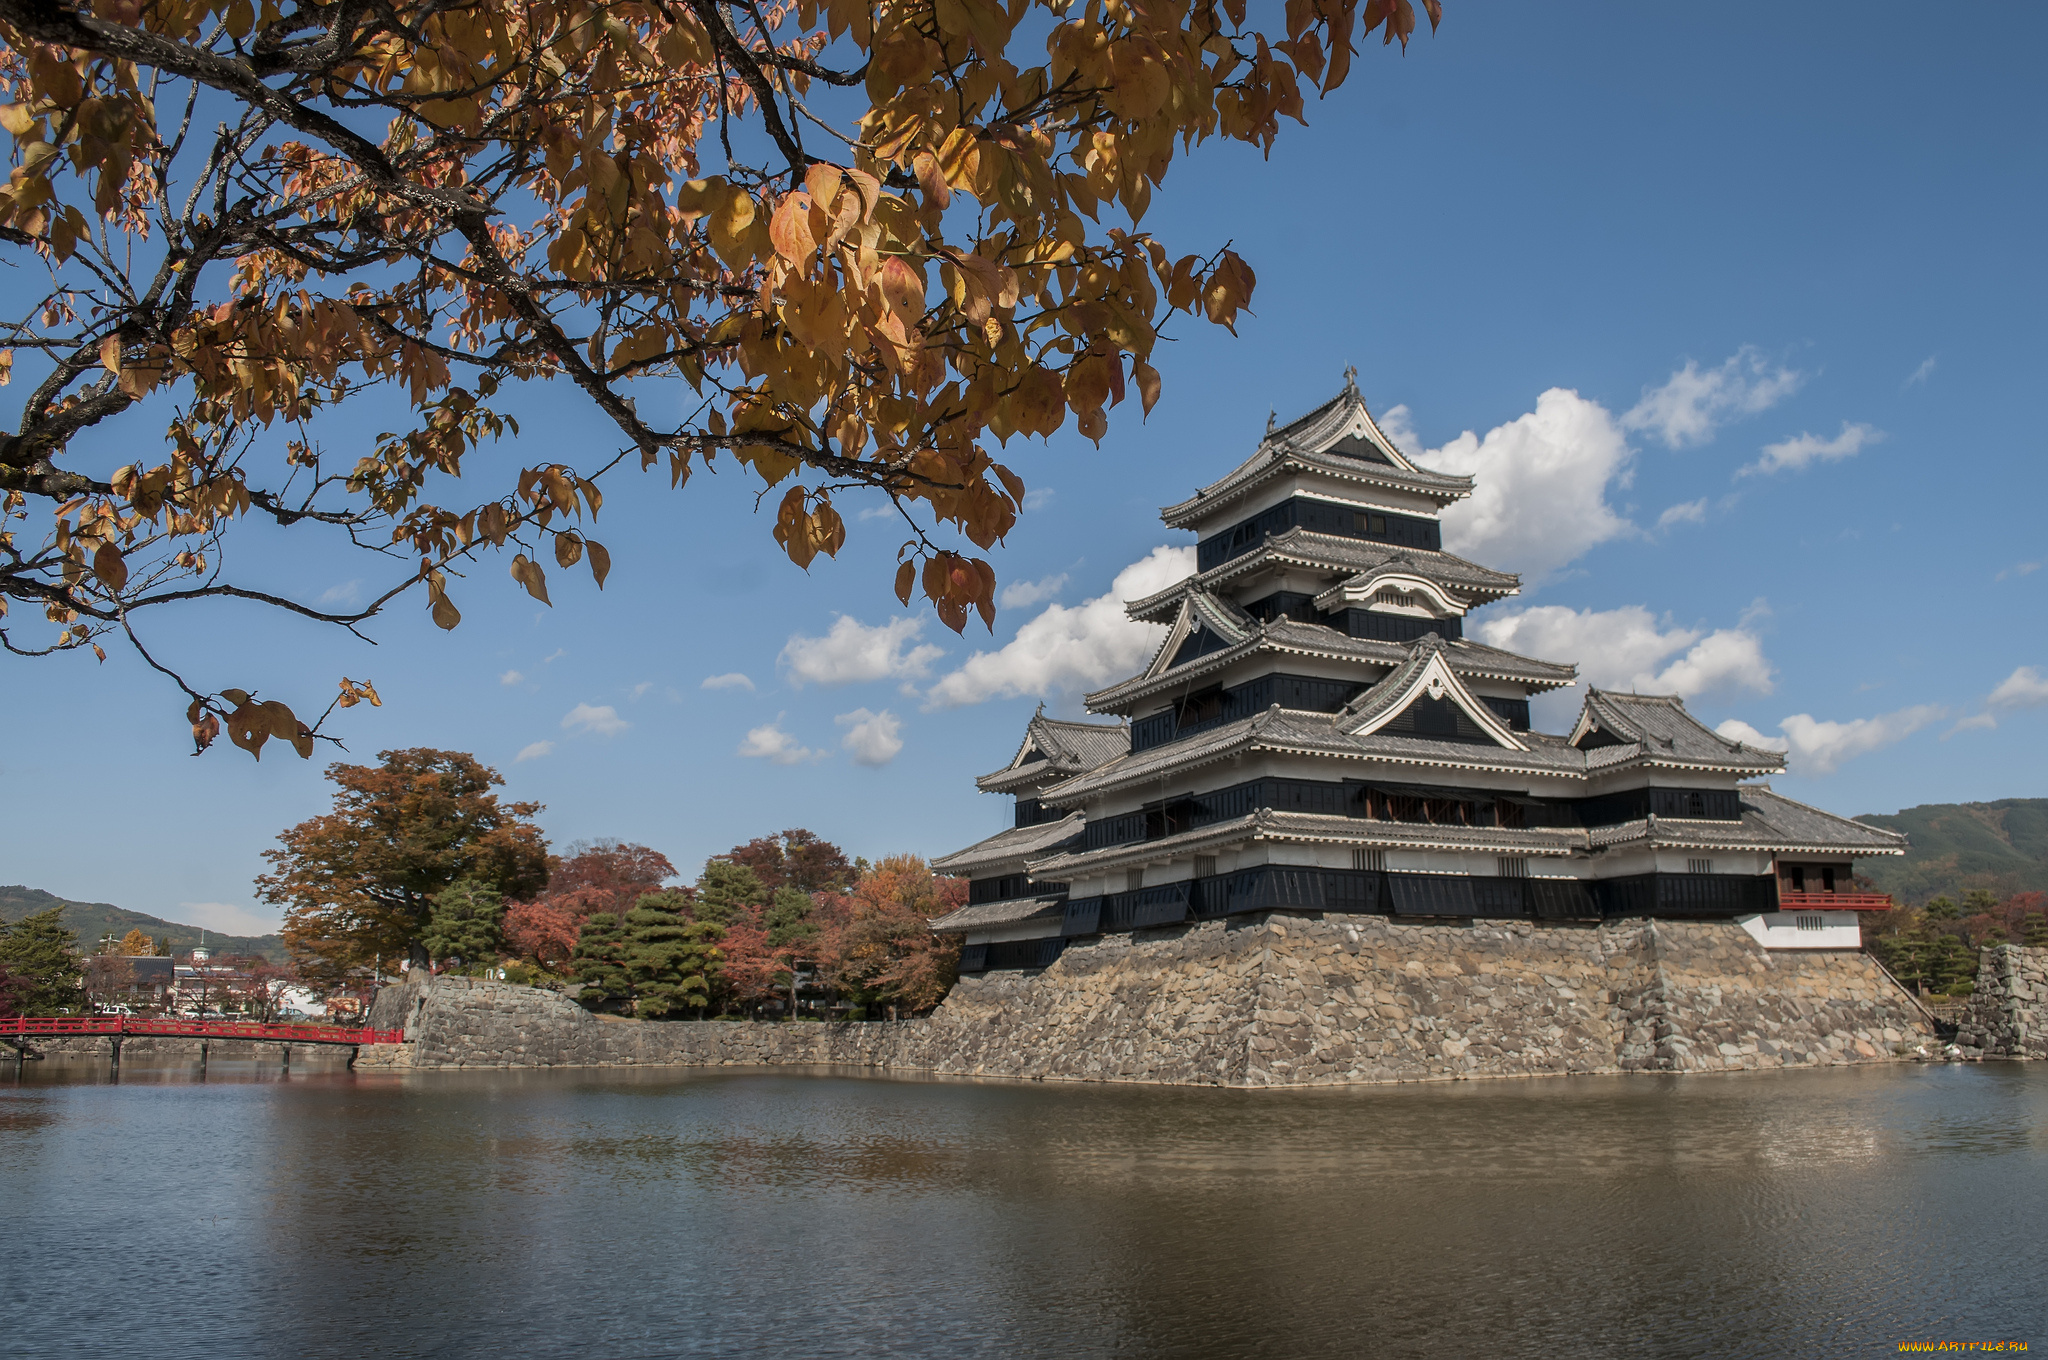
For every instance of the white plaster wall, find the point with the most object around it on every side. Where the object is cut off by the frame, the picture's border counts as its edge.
(1797, 929)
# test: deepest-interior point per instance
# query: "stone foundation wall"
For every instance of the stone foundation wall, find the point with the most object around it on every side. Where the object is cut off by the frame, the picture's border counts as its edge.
(1270, 1001)
(2007, 1014)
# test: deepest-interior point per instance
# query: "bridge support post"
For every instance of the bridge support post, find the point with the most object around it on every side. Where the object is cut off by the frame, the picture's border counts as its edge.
(352, 1052)
(287, 1057)
(202, 1057)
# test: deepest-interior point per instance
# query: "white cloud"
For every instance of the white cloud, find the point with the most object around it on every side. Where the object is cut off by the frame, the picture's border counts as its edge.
(600, 720)
(1688, 512)
(1627, 649)
(730, 680)
(1038, 497)
(226, 918)
(886, 510)
(1067, 648)
(770, 742)
(2024, 688)
(1541, 498)
(1735, 729)
(1974, 723)
(510, 678)
(874, 738)
(1821, 747)
(1920, 374)
(852, 652)
(348, 592)
(2019, 569)
(533, 751)
(556, 655)
(1800, 450)
(1814, 747)
(1024, 594)
(1692, 404)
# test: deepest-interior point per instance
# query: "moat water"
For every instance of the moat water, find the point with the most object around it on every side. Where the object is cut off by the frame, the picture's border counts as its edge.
(604, 1214)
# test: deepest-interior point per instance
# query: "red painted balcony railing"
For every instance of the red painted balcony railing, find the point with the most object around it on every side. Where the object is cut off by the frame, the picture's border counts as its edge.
(1835, 901)
(172, 1027)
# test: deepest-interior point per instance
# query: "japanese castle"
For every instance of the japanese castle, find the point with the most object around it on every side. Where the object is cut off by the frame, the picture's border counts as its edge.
(1317, 734)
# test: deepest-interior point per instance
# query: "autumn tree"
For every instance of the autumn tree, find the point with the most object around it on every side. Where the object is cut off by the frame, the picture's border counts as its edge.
(669, 957)
(39, 957)
(135, 943)
(599, 963)
(602, 875)
(796, 859)
(358, 883)
(880, 947)
(869, 241)
(466, 922)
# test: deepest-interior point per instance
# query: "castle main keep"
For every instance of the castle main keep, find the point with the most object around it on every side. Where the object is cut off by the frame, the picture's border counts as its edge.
(1318, 738)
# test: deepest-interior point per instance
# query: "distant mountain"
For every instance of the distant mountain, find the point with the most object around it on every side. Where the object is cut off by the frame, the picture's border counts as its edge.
(2002, 846)
(94, 919)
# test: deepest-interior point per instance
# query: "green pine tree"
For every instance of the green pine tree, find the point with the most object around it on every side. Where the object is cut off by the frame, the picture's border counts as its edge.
(597, 963)
(788, 917)
(669, 956)
(1953, 965)
(467, 923)
(726, 893)
(2035, 930)
(1978, 900)
(1941, 909)
(39, 957)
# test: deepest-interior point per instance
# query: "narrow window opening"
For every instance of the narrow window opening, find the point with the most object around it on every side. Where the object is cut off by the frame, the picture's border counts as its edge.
(1369, 861)
(1513, 866)
(1808, 922)
(1699, 866)
(1205, 866)
(1134, 879)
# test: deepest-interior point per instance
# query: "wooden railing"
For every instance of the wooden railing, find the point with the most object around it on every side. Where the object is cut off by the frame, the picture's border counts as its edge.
(1834, 901)
(141, 1026)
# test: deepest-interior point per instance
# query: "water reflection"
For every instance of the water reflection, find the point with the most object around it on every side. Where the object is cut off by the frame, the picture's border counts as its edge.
(664, 1213)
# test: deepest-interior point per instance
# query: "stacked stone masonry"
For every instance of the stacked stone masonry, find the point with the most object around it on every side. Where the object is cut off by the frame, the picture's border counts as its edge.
(2007, 1014)
(1277, 1000)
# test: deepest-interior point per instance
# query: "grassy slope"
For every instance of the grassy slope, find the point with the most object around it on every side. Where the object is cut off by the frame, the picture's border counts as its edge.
(94, 919)
(2002, 846)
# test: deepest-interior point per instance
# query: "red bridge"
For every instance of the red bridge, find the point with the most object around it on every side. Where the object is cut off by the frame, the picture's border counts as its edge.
(16, 1030)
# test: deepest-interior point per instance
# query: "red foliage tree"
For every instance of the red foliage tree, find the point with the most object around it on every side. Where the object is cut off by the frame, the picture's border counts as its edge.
(876, 942)
(795, 859)
(605, 875)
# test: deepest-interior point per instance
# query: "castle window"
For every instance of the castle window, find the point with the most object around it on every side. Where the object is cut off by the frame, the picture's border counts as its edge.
(1809, 922)
(1369, 861)
(1513, 866)
(1134, 879)
(1205, 866)
(1699, 866)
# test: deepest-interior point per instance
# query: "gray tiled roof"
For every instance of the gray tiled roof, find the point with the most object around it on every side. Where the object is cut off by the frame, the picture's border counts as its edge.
(1061, 747)
(1467, 659)
(1010, 847)
(1267, 824)
(1337, 555)
(982, 915)
(1657, 727)
(1316, 441)
(1770, 821)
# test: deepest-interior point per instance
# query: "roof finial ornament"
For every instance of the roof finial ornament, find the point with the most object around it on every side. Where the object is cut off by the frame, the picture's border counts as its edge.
(1351, 379)
(1272, 418)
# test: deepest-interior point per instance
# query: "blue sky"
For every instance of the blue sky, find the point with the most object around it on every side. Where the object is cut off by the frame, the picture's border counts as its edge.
(1738, 318)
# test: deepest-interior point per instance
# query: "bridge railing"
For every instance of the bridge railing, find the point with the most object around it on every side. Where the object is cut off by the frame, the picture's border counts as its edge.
(125, 1026)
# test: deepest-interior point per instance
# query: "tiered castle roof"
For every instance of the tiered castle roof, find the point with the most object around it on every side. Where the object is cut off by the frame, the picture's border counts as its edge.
(1314, 728)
